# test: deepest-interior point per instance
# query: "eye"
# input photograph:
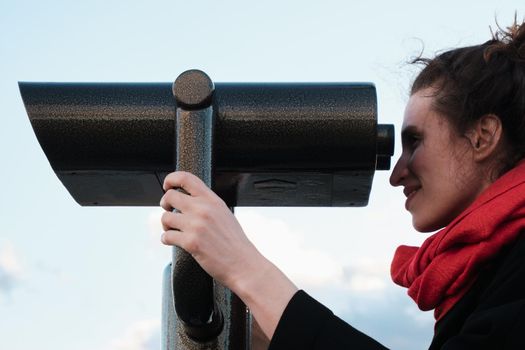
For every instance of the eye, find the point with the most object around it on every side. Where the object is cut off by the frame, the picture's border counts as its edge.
(411, 140)
(414, 140)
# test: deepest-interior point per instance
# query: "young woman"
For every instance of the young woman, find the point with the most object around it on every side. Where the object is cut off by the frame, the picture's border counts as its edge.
(463, 173)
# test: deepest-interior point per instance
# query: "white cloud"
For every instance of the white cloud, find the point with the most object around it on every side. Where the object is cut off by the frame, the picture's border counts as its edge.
(142, 335)
(367, 276)
(306, 266)
(11, 271)
(363, 283)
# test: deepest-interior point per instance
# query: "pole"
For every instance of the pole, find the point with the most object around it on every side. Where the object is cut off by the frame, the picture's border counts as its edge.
(207, 315)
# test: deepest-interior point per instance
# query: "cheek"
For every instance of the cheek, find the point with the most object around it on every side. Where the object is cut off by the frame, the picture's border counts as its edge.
(417, 162)
(433, 206)
(433, 166)
(439, 203)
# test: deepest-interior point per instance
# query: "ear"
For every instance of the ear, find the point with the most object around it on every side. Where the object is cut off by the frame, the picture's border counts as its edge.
(486, 136)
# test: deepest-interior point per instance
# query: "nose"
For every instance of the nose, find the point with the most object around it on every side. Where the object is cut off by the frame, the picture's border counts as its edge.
(399, 173)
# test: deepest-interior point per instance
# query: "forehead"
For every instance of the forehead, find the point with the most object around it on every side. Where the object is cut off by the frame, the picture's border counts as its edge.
(418, 110)
(421, 119)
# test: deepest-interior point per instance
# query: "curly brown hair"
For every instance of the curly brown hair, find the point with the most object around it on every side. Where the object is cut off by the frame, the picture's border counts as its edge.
(473, 81)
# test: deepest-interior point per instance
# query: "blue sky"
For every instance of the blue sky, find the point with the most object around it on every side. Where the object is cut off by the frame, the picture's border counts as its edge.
(90, 278)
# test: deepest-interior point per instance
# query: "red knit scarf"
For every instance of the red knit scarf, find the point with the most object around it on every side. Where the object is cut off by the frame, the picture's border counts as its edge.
(441, 271)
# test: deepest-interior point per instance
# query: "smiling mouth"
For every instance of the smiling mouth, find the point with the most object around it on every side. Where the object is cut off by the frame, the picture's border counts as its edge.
(410, 193)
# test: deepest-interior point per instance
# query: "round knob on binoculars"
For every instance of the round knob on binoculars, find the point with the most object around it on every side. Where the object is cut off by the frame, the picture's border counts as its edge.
(193, 89)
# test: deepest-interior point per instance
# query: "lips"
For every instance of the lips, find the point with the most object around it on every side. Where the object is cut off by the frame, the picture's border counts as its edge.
(410, 189)
(410, 192)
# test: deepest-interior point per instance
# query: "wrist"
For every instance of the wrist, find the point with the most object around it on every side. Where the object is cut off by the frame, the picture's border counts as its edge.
(265, 290)
(256, 272)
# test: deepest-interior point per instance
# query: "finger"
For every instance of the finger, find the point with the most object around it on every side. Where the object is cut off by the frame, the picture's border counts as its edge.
(173, 237)
(176, 199)
(181, 239)
(174, 221)
(188, 182)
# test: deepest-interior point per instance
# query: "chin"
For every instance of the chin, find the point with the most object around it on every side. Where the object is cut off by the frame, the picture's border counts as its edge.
(426, 225)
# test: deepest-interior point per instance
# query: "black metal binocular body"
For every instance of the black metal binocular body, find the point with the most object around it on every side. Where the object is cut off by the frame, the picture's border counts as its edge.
(255, 144)
(275, 144)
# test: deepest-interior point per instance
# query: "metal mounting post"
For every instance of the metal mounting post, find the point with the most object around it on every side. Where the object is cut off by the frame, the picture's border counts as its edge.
(200, 316)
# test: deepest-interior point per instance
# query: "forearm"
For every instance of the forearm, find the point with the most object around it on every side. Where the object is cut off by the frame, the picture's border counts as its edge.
(266, 291)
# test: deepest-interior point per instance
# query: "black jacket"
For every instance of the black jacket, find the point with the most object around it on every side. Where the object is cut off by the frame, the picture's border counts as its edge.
(490, 316)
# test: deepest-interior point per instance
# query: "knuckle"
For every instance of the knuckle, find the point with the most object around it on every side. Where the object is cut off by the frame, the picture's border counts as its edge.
(171, 197)
(167, 238)
(168, 196)
(180, 175)
(220, 202)
(175, 179)
(192, 245)
(183, 177)
(168, 180)
(165, 218)
(205, 213)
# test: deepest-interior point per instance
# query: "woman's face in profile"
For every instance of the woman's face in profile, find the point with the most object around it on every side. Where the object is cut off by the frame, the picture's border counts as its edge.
(436, 167)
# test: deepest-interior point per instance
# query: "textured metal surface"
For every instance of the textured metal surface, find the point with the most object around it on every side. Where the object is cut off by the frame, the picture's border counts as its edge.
(198, 311)
(192, 286)
(267, 137)
(168, 336)
(233, 335)
(193, 89)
